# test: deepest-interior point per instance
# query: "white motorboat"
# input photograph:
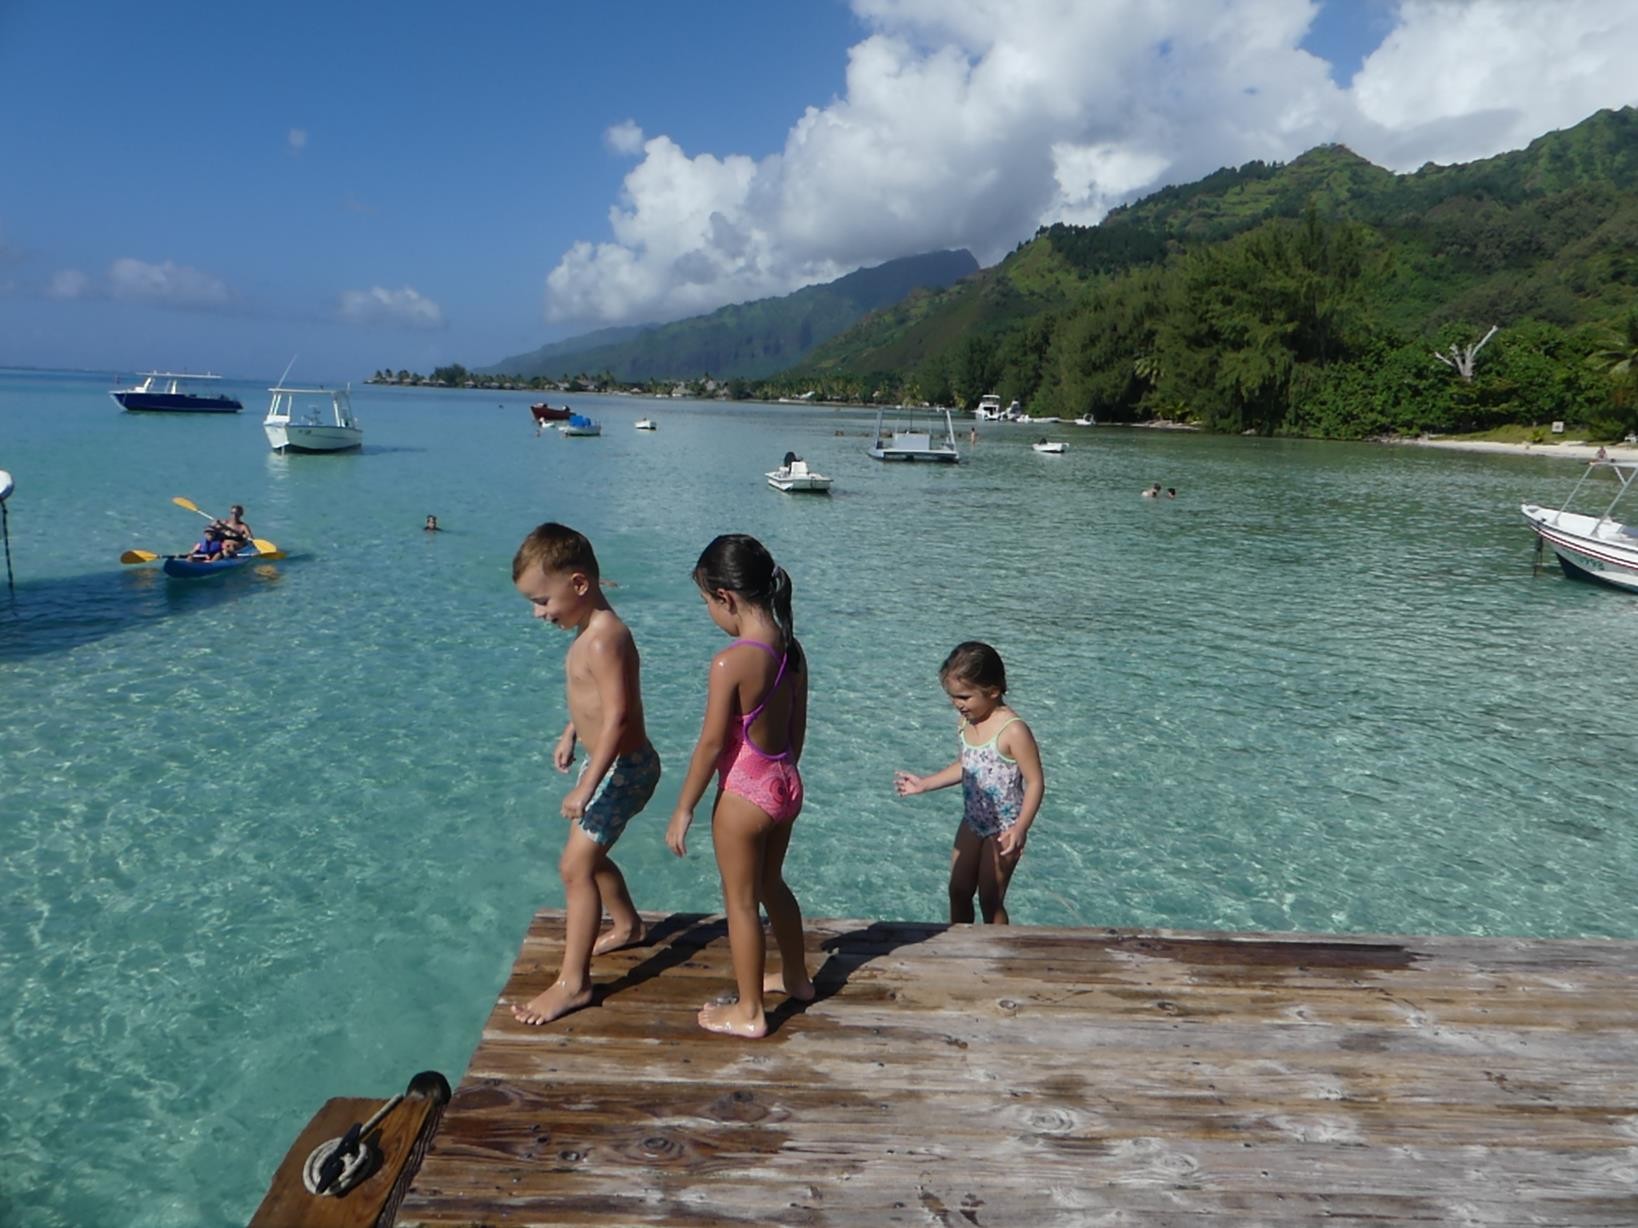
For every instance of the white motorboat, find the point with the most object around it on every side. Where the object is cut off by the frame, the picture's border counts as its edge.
(795, 478)
(311, 420)
(914, 445)
(579, 424)
(646, 424)
(989, 408)
(1028, 419)
(1598, 548)
(1086, 420)
(1055, 447)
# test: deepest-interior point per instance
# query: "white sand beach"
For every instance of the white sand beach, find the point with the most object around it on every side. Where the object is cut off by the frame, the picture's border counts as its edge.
(1574, 449)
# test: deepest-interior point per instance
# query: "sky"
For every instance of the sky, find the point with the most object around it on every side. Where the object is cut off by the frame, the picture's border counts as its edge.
(227, 187)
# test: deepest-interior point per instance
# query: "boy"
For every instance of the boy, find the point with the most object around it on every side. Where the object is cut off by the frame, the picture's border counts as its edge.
(557, 571)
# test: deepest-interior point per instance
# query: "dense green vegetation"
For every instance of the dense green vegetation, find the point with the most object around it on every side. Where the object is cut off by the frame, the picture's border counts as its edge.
(1306, 299)
(746, 340)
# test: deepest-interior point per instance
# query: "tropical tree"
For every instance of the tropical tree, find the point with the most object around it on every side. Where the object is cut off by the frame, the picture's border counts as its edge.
(1617, 357)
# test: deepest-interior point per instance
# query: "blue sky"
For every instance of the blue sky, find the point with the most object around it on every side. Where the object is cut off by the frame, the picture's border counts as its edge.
(224, 186)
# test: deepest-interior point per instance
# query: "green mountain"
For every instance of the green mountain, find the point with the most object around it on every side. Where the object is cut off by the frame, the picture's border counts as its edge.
(1480, 238)
(748, 340)
(1307, 297)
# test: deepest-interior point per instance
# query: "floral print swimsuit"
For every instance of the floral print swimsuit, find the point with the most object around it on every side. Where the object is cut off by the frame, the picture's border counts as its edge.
(992, 785)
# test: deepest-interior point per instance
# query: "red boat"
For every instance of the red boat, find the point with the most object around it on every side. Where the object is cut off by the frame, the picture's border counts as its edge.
(545, 413)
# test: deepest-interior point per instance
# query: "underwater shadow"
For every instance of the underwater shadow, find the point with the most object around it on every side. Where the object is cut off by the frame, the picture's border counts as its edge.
(50, 616)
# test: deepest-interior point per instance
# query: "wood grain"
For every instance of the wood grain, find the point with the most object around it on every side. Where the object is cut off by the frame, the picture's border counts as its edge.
(971, 1075)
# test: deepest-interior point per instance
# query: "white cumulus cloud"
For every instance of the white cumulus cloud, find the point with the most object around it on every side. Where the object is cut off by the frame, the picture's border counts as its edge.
(1455, 82)
(169, 283)
(378, 305)
(624, 138)
(296, 140)
(68, 284)
(968, 123)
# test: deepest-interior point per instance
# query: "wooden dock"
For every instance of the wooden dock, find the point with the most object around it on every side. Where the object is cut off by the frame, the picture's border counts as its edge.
(1031, 1076)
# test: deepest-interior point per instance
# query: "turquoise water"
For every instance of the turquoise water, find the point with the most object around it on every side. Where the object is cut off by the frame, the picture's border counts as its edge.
(275, 837)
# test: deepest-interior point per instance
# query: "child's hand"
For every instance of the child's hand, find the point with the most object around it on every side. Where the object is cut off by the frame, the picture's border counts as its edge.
(563, 753)
(575, 804)
(676, 831)
(905, 784)
(1009, 845)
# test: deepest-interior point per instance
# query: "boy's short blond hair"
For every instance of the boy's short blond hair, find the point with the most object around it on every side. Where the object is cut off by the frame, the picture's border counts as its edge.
(555, 548)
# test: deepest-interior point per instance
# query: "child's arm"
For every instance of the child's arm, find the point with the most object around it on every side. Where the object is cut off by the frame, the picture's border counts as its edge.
(610, 662)
(1018, 744)
(719, 710)
(906, 784)
(563, 752)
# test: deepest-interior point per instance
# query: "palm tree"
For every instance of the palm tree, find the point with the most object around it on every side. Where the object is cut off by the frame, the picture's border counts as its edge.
(1617, 354)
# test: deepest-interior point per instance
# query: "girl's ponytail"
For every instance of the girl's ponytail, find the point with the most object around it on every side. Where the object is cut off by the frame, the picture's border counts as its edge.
(779, 605)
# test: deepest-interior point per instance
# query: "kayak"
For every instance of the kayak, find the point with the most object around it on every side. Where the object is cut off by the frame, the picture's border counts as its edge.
(180, 567)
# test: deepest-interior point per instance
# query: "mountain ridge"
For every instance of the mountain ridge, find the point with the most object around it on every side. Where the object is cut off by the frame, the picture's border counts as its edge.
(1434, 207)
(742, 340)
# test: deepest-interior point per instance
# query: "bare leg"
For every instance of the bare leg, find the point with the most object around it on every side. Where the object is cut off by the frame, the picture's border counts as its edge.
(785, 914)
(964, 859)
(584, 908)
(740, 832)
(994, 876)
(625, 926)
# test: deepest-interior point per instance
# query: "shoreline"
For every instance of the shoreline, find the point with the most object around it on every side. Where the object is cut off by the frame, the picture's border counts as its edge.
(1573, 450)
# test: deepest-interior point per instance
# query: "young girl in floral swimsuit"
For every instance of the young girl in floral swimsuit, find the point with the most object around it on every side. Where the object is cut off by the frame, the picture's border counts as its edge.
(756, 717)
(1001, 782)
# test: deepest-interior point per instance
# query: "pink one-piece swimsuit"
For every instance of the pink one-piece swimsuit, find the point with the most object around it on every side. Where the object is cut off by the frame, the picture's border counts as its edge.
(769, 782)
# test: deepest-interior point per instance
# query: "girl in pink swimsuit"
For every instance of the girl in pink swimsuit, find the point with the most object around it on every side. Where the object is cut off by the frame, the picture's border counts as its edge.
(756, 717)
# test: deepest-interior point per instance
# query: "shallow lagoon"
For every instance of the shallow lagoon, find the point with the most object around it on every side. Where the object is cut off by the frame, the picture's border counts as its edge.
(275, 837)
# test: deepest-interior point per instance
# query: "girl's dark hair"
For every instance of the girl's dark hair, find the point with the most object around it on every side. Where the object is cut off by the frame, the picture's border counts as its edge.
(742, 565)
(975, 662)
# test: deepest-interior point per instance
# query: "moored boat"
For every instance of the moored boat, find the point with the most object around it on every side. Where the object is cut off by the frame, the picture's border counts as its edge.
(989, 408)
(312, 420)
(580, 425)
(646, 424)
(547, 413)
(161, 392)
(914, 445)
(1598, 548)
(794, 477)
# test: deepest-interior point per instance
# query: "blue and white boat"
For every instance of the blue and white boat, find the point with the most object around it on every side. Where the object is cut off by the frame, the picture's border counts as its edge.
(578, 424)
(162, 392)
(1598, 548)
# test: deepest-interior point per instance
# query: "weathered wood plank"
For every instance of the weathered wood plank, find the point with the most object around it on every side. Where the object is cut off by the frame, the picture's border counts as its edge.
(972, 1075)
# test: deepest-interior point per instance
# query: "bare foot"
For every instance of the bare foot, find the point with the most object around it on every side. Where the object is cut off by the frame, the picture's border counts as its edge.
(726, 1017)
(802, 990)
(553, 1004)
(618, 938)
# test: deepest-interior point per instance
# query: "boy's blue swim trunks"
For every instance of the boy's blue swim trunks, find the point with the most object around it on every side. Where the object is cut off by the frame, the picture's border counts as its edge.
(625, 790)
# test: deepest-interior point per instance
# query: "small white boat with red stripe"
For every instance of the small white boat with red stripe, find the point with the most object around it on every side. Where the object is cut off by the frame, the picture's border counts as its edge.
(1598, 548)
